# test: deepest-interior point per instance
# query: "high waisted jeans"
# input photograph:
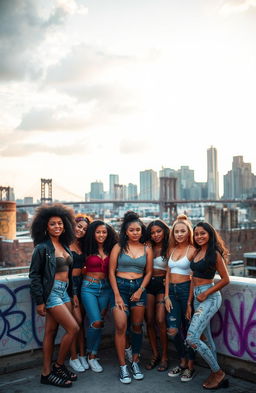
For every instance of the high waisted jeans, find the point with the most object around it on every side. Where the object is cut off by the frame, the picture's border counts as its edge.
(95, 297)
(175, 319)
(200, 324)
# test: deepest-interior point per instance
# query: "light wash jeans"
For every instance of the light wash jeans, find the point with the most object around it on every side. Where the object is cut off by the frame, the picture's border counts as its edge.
(200, 324)
(95, 298)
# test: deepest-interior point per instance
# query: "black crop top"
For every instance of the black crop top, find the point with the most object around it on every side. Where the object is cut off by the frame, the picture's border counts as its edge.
(203, 269)
(62, 264)
(78, 260)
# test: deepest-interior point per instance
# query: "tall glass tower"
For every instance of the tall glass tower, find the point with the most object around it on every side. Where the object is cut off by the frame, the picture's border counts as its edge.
(212, 173)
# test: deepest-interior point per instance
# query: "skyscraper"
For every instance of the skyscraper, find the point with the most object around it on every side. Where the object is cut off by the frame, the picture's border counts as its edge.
(149, 189)
(113, 179)
(212, 173)
(240, 181)
(97, 191)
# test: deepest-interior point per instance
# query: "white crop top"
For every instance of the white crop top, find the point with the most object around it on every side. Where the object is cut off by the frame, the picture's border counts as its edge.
(181, 266)
(159, 263)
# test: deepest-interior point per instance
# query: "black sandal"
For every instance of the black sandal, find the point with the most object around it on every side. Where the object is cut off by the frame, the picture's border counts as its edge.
(64, 372)
(55, 380)
(153, 362)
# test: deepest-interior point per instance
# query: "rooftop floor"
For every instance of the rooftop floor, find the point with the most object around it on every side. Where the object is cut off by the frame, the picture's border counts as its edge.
(28, 380)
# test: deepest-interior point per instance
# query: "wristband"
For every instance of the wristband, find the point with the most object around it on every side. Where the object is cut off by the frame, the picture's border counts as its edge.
(142, 288)
(166, 297)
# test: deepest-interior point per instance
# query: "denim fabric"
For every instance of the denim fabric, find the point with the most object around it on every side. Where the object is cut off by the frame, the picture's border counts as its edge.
(95, 298)
(156, 285)
(126, 289)
(58, 294)
(179, 294)
(200, 324)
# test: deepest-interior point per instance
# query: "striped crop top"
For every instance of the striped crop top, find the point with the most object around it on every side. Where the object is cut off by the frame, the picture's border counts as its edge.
(96, 264)
(159, 263)
(181, 266)
(126, 263)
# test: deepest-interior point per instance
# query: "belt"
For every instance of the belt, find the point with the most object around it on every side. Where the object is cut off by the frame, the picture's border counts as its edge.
(92, 279)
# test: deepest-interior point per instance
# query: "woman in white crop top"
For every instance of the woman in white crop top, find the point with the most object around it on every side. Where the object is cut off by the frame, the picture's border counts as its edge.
(177, 289)
(158, 236)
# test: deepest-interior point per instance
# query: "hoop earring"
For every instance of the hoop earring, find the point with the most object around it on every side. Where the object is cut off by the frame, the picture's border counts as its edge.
(63, 230)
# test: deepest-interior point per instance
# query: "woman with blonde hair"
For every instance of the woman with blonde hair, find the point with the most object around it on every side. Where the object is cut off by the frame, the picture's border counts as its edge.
(177, 292)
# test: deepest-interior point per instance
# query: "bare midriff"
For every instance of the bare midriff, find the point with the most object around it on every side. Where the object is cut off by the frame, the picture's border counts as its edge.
(97, 275)
(129, 275)
(76, 272)
(179, 278)
(61, 276)
(158, 273)
(201, 281)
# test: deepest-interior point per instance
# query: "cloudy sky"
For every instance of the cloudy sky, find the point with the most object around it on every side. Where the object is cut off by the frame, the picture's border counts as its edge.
(92, 87)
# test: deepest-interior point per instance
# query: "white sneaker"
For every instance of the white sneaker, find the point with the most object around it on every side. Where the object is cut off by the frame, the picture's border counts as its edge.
(136, 372)
(128, 354)
(84, 362)
(124, 374)
(76, 365)
(95, 366)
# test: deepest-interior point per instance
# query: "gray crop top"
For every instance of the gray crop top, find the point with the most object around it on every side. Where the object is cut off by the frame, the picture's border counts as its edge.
(159, 263)
(126, 263)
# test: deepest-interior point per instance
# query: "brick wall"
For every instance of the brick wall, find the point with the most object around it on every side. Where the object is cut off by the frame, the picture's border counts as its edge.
(15, 252)
(239, 241)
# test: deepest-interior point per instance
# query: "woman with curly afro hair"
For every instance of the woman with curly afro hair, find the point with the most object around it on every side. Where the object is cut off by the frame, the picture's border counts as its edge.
(52, 231)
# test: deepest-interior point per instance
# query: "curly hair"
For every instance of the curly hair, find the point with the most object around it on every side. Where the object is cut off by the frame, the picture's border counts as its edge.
(181, 219)
(215, 243)
(40, 220)
(130, 217)
(166, 230)
(90, 246)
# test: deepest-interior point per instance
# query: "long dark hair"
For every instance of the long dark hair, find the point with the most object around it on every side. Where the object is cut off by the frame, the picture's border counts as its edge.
(79, 218)
(90, 246)
(43, 214)
(128, 218)
(166, 230)
(215, 243)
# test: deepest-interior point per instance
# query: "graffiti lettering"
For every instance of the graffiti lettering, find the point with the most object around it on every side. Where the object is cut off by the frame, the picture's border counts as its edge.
(238, 332)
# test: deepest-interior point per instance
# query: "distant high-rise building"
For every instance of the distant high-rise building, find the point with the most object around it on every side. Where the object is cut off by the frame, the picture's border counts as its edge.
(212, 173)
(97, 191)
(28, 201)
(120, 192)
(132, 192)
(240, 181)
(186, 182)
(113, 179)
(149, 189)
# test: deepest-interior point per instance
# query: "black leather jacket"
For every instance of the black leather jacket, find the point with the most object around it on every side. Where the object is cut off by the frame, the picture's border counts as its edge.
(42, 272)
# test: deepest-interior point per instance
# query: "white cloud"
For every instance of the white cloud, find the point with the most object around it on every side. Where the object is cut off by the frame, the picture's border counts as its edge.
(236, 6)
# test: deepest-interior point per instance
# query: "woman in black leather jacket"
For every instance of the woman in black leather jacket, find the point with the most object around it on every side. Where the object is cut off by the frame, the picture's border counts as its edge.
(51, 287)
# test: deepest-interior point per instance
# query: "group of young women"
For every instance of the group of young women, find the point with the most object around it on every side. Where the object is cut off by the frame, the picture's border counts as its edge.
(162, 275)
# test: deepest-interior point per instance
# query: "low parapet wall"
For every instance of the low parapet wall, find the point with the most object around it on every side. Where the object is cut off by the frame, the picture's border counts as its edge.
(233, 327)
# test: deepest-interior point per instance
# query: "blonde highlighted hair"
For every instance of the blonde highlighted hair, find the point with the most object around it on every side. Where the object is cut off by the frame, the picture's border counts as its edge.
(181, 219)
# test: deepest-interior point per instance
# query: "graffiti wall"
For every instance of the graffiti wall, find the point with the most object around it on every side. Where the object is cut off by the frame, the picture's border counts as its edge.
(21, 329)
(234, 326)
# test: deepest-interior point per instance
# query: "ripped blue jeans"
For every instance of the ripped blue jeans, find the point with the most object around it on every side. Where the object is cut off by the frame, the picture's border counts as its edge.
(200, 325)
(95, 298)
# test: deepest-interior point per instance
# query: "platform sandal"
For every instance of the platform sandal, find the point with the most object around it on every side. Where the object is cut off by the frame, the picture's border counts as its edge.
(55, 380)
(63, 371)
(153, 362)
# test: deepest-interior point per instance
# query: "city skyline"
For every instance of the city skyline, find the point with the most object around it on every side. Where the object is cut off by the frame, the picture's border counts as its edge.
(93, 87)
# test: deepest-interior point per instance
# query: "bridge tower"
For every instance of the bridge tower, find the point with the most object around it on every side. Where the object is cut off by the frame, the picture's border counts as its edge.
(46, 183)
(168, 195)
(5, 193)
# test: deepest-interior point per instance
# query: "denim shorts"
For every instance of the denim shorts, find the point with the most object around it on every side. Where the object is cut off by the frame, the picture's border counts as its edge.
(156, 285)
(126, 288)
(58, 295)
